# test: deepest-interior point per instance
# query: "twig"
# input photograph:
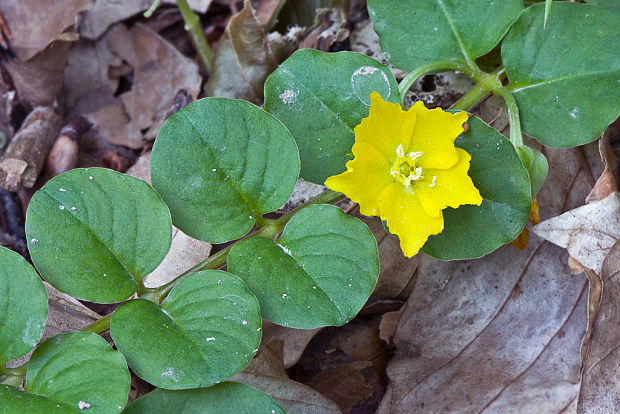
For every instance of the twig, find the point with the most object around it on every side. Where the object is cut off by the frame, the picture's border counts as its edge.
(24, 158)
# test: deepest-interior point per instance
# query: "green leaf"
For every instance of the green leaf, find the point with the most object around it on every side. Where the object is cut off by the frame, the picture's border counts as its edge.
(565, 77)
(221, 163)
(95, 233)
(321, 97)
(72, 373)
(536, 165)
(547, 10)
(413, 33)
(503, 182)
(613, 5)
(207, 330)
(228, 397)
(320, 272)
(23, 301)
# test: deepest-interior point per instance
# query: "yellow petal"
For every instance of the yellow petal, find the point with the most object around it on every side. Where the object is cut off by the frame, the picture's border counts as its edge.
(366, 176)
(386, 127)
(434, 135)
(406, 218)
(447, 188)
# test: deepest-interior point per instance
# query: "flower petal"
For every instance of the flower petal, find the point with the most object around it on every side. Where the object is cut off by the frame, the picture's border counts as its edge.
(406, 218)
(386, 127)
(447, 188)
(366, 176)
(434, 135)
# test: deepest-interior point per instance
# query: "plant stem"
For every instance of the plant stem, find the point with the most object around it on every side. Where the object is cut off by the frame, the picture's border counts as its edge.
(487, 83)
(192, 25)
(270, 229)
(151, 9)
(516, 137)
(99, 326)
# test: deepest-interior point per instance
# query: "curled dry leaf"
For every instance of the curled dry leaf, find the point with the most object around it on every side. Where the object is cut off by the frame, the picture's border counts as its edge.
(244, 58)
(500, 334)
(587, 232)
(600, 389)
(34, 24)
(292, 396)
(606, 183)
(107, 12)
(294, 341)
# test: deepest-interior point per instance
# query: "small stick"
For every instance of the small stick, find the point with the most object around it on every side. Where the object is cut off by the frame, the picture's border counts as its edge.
(25, 156)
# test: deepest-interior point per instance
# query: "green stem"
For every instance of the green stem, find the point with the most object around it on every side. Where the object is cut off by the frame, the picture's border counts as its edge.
(151, 9)
(270, 229)
(516, 137)
(13, 376)
(99, 326)
(486, 84)
(192, 25)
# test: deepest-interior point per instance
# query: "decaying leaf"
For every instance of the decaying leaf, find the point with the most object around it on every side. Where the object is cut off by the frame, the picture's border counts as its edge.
(292, 396)
(600, 390)
(39, 79)
(34, 24)
(294, 340)
(500, 334)
(159, 72)
(244, 58)
(606, 183)
(587, 232)
(107, 12)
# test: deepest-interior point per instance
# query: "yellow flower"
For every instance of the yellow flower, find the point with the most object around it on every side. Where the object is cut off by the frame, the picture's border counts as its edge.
(406, 169)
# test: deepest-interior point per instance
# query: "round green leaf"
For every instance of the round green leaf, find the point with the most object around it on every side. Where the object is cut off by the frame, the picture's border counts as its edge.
(613, 5)
(207, 330)
(320, 272)
(503, 182)
(93, 233)
(321, 97)
(219, 163)
(228, 397)
(72, 373)
(417, 32)
(565, 76)
(23, 301)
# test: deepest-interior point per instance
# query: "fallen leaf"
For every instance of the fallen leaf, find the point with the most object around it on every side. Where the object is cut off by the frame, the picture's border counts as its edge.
(292, 396)
(295, 341)
(243, 59)
(345, 385)
(39, 80)
(160, 71)
(269, 360)
(587, 232)
(87, 85)
(600, 392)
(35, 24)
(606, 183)
(107, 12)
(468, 342)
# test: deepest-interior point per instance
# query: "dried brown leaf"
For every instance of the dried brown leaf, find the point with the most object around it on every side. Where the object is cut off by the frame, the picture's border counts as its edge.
(107, 12)
(34, 24)
(39, 79)
(295, 340)
(243, 59)
(600, 389)
(606, 183)
(500, 334)
(587, 232)
(292, 396)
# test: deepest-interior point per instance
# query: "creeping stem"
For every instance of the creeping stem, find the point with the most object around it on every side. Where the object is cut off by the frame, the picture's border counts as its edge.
(409, 80)
(513, 115)
(192, 25)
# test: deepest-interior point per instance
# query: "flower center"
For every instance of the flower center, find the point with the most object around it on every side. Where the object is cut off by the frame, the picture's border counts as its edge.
(404, 169)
